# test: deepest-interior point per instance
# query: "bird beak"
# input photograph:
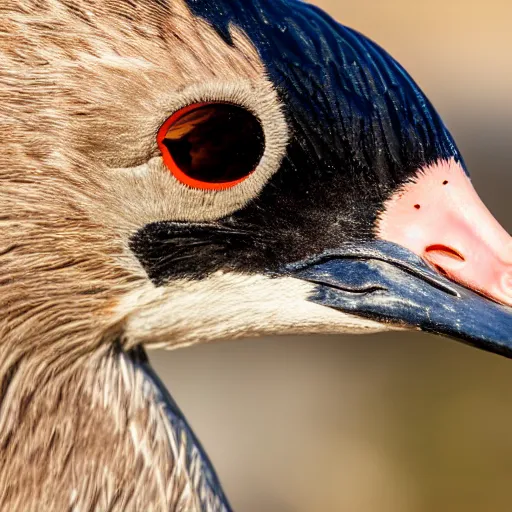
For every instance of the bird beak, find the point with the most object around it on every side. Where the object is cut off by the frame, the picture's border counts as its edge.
(388, 283)
(440, 263)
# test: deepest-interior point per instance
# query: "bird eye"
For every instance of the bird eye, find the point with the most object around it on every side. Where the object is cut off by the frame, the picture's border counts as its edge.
(211, 146)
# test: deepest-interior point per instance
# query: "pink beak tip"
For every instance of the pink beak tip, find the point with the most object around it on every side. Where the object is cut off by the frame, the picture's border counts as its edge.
(441, 218)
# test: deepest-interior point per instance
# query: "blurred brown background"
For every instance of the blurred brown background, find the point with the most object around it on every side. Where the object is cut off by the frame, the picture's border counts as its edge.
(387, 423)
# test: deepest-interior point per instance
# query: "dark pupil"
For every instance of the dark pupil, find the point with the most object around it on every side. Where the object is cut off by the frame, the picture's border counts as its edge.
(216, 143)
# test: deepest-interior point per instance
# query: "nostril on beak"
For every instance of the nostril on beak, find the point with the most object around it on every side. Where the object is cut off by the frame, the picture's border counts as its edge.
(491, 276)
(446, 259)
(445, 251)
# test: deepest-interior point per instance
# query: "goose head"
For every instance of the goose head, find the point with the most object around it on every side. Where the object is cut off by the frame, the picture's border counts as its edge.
(180, 172)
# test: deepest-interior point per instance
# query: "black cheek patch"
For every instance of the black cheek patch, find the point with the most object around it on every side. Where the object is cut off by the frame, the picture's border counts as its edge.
(173, 250)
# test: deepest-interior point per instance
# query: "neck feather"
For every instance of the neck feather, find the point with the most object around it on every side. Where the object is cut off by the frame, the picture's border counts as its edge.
(104, 434)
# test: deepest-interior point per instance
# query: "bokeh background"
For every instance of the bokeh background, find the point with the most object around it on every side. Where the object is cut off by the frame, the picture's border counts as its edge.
(385, 423)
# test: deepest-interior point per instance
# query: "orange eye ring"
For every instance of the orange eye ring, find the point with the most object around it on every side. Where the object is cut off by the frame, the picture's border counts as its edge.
(211, 146)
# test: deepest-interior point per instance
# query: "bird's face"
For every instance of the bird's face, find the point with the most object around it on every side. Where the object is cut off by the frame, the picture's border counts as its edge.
(185, 171)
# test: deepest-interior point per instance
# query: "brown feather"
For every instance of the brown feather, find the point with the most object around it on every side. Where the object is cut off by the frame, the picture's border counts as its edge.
(84, 86)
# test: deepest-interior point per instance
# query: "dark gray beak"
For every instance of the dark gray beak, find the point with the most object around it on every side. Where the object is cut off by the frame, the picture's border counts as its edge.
(388, 283)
